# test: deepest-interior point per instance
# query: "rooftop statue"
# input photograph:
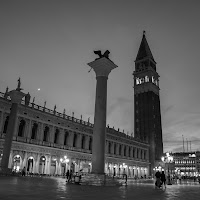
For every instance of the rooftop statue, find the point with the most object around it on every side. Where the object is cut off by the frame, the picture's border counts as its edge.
(19, 85)
(105, 55)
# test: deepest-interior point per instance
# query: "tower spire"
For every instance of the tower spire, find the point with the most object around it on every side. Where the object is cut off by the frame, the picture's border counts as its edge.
(144, 50)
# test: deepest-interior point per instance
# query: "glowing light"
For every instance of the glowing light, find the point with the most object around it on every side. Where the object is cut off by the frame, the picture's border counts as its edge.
(38, 89)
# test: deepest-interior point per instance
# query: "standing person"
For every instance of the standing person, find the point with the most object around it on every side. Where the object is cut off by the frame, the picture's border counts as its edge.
(70, 176)
(126, 177)
(158, 182)
(114, 174)
(163, 179)
(24, 171)
(67, 176)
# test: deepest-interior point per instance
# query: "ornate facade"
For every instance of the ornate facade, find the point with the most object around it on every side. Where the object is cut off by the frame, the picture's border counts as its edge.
(48, 142)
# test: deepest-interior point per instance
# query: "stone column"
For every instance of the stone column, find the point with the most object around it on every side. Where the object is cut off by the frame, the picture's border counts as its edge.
(102, 67)
(61, 137)
(87, 138)
(16, 97)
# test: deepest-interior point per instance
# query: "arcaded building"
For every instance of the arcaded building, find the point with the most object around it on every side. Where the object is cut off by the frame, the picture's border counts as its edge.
(48, 142)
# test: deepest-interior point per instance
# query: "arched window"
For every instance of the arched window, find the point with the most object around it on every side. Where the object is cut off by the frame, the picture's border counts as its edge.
(34, 131)
(74, 140)
(83, 142)
(46, 133)
(125, 151)
(66, 138)
(109, 147)
(21, 128)
(90, 143)
(56, 136)
(120, 149)
(114, 148)
(5, 125)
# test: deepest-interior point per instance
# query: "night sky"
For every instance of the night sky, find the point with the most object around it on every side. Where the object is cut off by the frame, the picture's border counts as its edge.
(49, 43)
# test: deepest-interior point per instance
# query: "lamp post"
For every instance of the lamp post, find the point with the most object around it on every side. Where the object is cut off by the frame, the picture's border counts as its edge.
(168, 159)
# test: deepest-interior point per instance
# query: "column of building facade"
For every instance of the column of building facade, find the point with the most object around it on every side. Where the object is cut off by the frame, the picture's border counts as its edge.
(112, 147)
(122, 150)
(25, 160)
(136, 149)
(143, 158)
(79, 140)
(37, 163)
(51, 133)
(28, 129)
(39, 133)
(117, 149)
(48, 160)
(87, 140)
(34, 163)
(71, 139)
(61, 136)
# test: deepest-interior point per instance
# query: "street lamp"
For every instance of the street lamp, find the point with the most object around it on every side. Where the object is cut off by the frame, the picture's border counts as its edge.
(168, 159)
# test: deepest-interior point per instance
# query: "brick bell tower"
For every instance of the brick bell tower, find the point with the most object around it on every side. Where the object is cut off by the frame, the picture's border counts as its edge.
(147, 116)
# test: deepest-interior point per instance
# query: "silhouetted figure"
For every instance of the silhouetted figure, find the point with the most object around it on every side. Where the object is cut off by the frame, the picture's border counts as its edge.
(114, 174)
(163, 179)
(126, 177)
(158, 182)
(24, 171)
(70, 176)
(67, 176)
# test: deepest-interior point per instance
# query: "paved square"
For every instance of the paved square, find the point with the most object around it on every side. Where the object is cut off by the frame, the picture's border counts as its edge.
(32, 188)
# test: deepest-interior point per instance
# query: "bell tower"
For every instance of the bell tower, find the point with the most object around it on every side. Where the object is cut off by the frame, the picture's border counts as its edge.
(147, 115)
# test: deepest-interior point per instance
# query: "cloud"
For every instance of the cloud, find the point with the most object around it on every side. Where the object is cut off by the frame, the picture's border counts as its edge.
(181, 123)
(119, 102)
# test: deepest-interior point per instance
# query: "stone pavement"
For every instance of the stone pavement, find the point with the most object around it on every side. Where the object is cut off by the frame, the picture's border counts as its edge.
(52, 188)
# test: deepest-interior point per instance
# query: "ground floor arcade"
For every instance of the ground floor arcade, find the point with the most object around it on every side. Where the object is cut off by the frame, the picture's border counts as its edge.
(51, 161)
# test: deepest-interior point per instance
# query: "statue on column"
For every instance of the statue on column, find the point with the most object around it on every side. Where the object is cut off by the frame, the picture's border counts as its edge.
(54, 110)
(19, 85)
(106, 54)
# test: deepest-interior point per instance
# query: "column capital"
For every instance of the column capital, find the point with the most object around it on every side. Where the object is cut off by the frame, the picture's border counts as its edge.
(102, 66)
(16, 96)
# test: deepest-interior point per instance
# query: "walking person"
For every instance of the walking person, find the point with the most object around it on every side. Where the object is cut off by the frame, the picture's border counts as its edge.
(70, 176)
(158, 182)
(67, 176)
(163, 179)
(24, 171)
(126, 177)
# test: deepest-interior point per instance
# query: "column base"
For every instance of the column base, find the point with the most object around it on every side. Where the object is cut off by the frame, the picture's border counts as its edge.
(5, 171)
(99, 180)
